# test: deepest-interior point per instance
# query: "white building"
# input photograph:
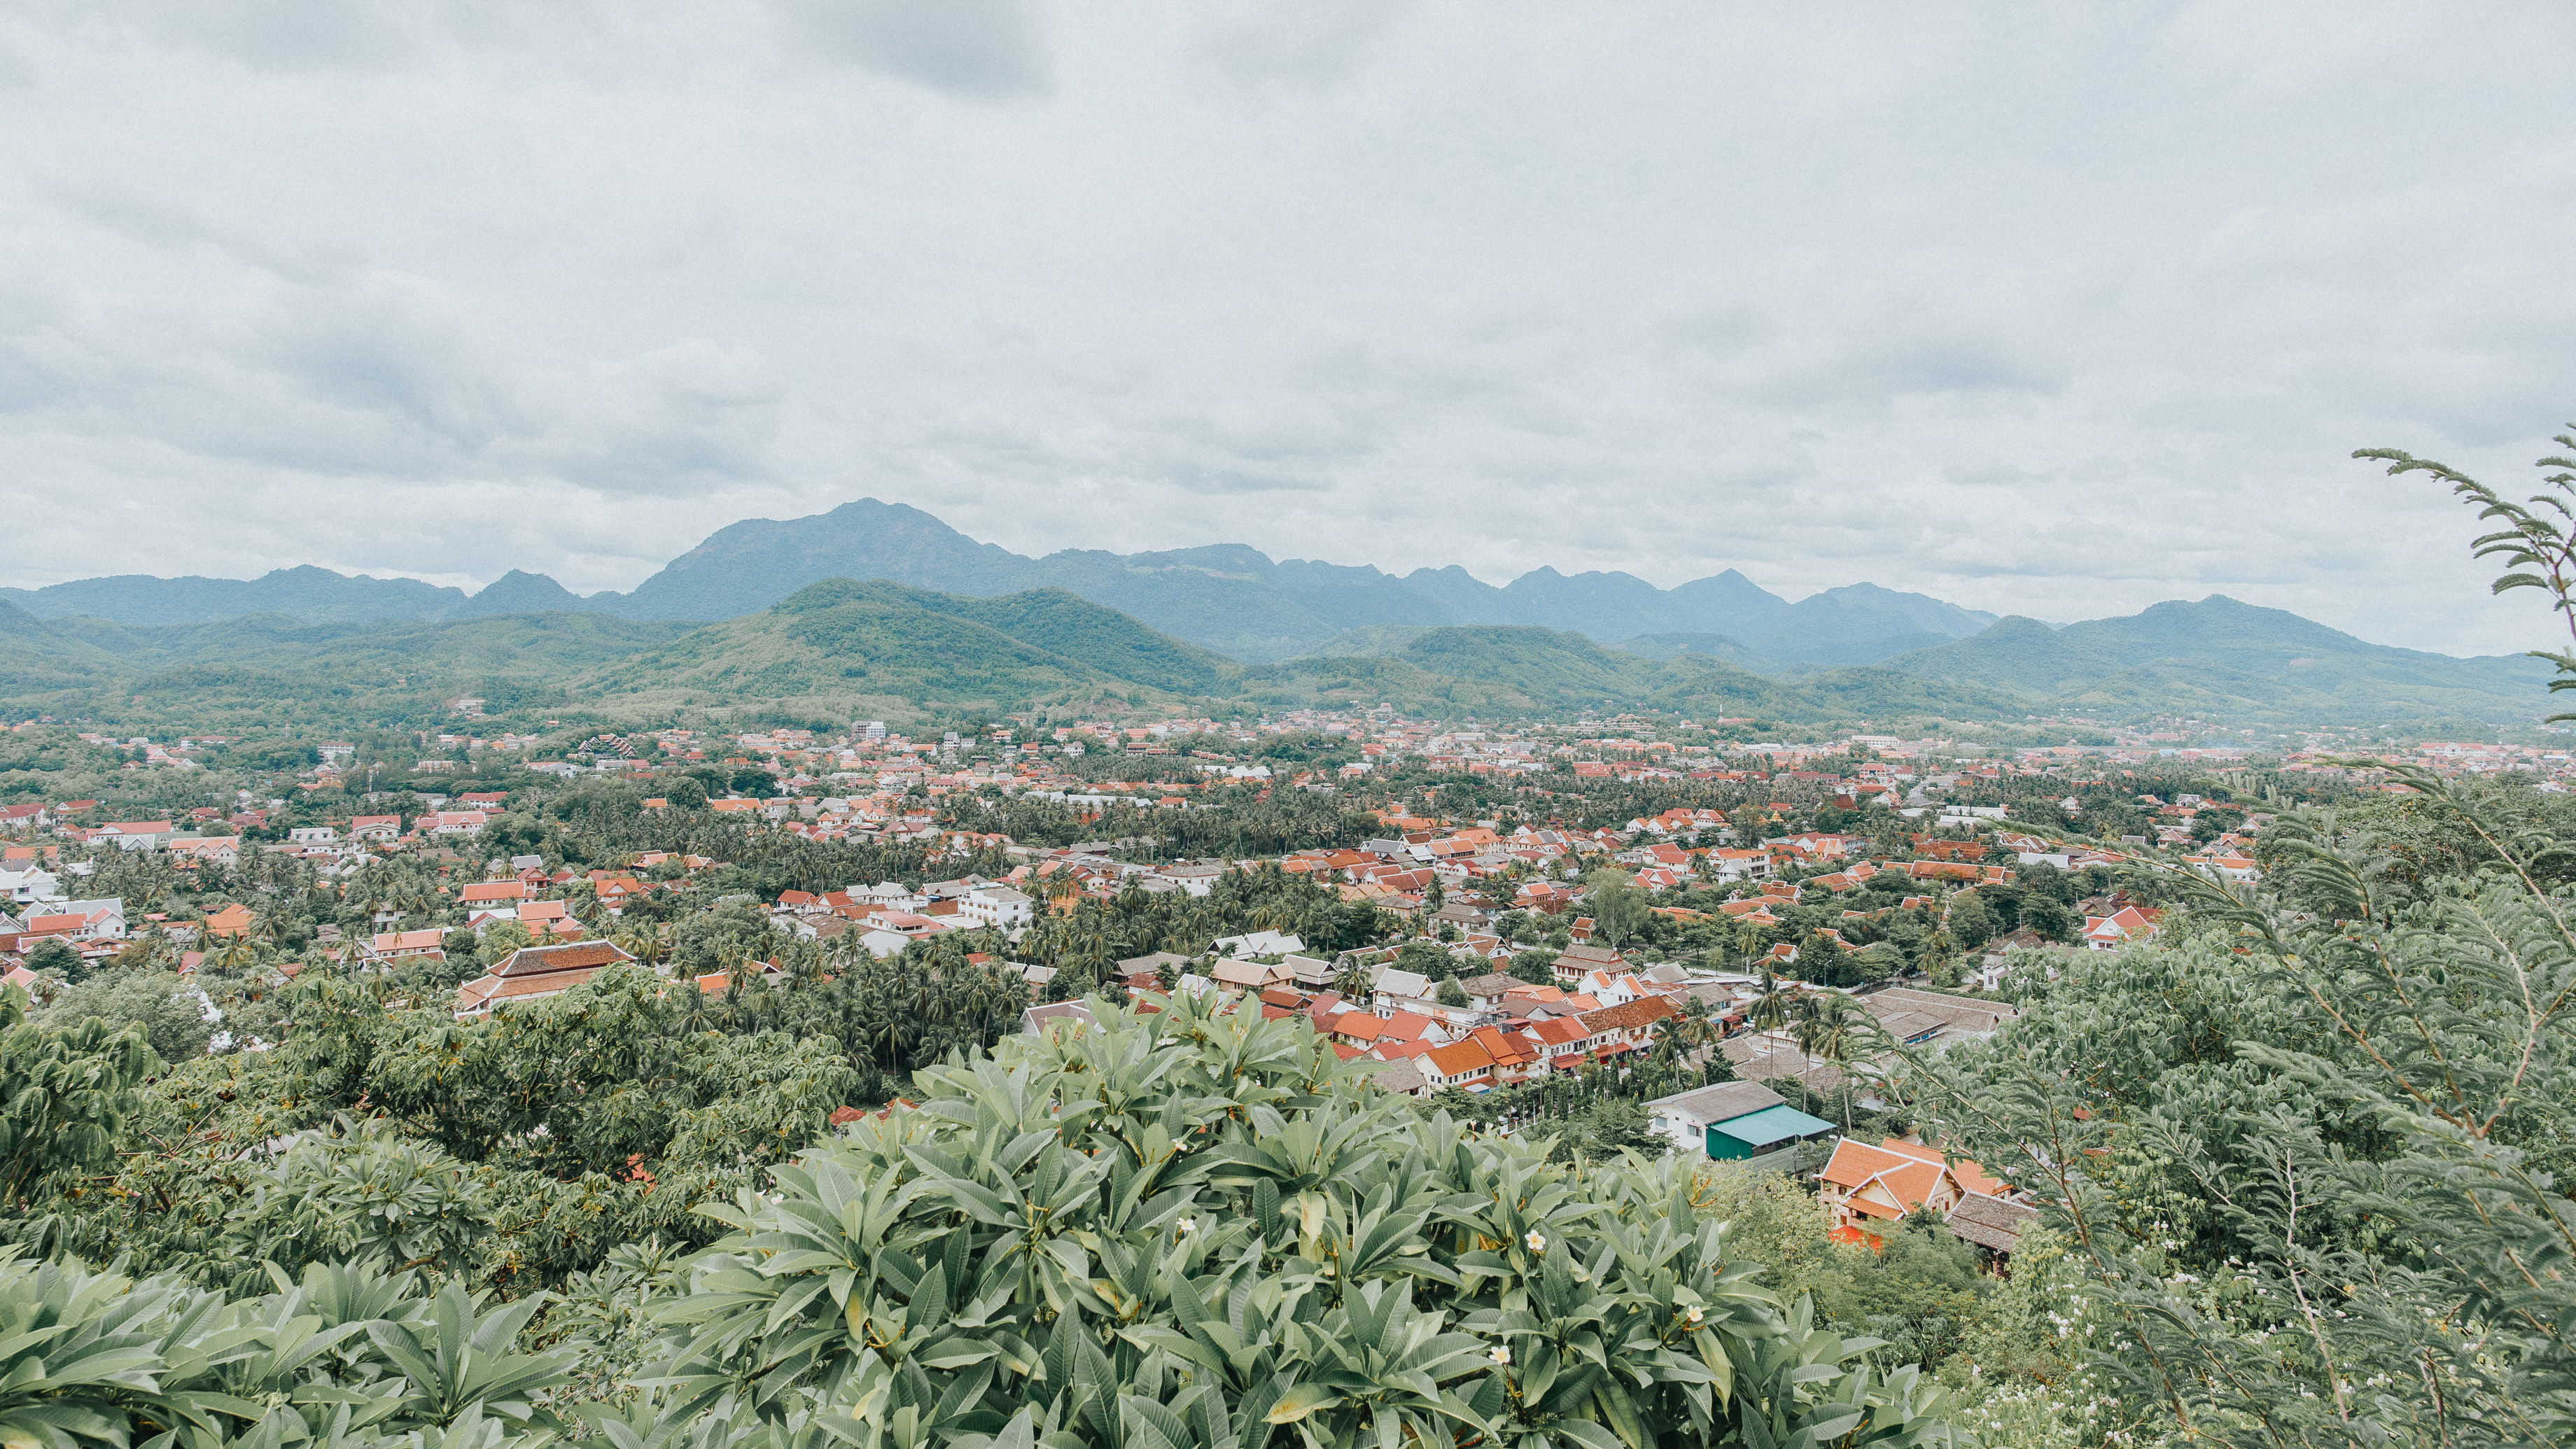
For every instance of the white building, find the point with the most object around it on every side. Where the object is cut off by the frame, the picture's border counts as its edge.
(30, 886)
(997, 906)
(1261, 943)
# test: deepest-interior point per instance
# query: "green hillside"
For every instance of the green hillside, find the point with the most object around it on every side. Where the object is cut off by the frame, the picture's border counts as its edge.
(2223, 659)
(1507, 669)
(1101, 639)
(1336, 681)
(1370, 641)
(508, 646)
(834, 647)
(36, 657)
(273, 671)
(838, 646)
(876, 649)
(1717, 646)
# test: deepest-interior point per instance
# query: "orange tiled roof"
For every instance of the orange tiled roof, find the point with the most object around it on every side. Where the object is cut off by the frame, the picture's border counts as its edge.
(1855, 1163)
(1970, 1175)
(1459, 1058)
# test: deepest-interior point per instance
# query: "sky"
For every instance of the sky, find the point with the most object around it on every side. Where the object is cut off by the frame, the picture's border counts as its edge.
(2049, 310)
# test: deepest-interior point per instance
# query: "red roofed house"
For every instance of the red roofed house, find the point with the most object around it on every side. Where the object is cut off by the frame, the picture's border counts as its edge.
(1560, 1041)
(1514, 1053)
(232, 920)
(1625, 1026)
(1519, 999)
(1359, 1028)
(393, 945)
(549, 918)
(75, 926)
(375, 827)
(533, 973)
(1407, 1026)
(1459, 1064)
(1887, 1182)
(2104, 933)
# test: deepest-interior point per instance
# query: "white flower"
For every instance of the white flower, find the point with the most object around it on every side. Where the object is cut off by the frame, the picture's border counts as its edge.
(1694, 1316)
(1537, 1241)
(1188, 1225)
(1499, 1354)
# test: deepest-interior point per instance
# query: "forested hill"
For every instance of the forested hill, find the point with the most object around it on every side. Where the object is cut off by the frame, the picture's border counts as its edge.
(1226, 597)
(1441, 638)
(844, 648)
(2223, 659)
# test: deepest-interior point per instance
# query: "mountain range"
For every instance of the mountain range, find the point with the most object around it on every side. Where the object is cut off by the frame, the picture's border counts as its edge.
(844, 648)
(1225, 597)
(880, 608)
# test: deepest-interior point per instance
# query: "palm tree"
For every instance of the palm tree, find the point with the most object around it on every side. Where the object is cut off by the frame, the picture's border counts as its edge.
(1748, 939)
(1842, 1031)
(1353, 980)
(1773, 1004)
(1697, 1028)
(648, 942)
(240, 953)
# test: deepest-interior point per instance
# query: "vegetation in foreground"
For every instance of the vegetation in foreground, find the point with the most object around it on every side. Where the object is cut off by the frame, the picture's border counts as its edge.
(1177, 1229)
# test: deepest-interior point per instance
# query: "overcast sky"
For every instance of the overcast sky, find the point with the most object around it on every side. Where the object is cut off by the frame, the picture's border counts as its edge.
(2056, 310)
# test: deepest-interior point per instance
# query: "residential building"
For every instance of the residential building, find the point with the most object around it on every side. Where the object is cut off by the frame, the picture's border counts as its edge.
(2127, 924)
(134, 834)
(534, 973)
(395, 945)
(29, 886)
(1458, 1064)
(997, 906)
(1688, 1117)
(1893, 1180)
(1915, 1018)
(1992, 1223)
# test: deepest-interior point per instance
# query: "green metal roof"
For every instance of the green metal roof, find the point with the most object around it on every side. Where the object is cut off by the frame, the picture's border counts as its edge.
(1771, 1124)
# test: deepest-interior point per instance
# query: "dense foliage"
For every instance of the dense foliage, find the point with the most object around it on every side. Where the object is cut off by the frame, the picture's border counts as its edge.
(1165, 1230)
(2316, 1152)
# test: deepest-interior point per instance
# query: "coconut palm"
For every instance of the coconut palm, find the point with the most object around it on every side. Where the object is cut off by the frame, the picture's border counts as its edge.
(1842, 1031)
(1774, 1003)
(1748, 939)
(1697, 1028)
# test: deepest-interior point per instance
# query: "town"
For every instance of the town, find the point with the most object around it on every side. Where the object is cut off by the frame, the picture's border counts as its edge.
(1636, 931)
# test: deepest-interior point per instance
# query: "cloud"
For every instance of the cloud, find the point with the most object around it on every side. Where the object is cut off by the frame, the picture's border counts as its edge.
(982, 49)
(1305, 45)
(161, 223)
(2056, 319)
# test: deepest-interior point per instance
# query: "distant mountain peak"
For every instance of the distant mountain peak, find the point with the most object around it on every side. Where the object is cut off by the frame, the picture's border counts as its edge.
(521, 592)
(1227, 596)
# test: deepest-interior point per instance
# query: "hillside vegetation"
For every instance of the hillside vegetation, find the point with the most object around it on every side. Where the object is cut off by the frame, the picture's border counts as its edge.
(2220, 658)
(876, 649)
(1228, 597)
(841, 643)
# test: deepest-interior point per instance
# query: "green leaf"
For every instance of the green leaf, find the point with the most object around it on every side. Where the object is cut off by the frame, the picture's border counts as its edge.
(1299, 1401)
